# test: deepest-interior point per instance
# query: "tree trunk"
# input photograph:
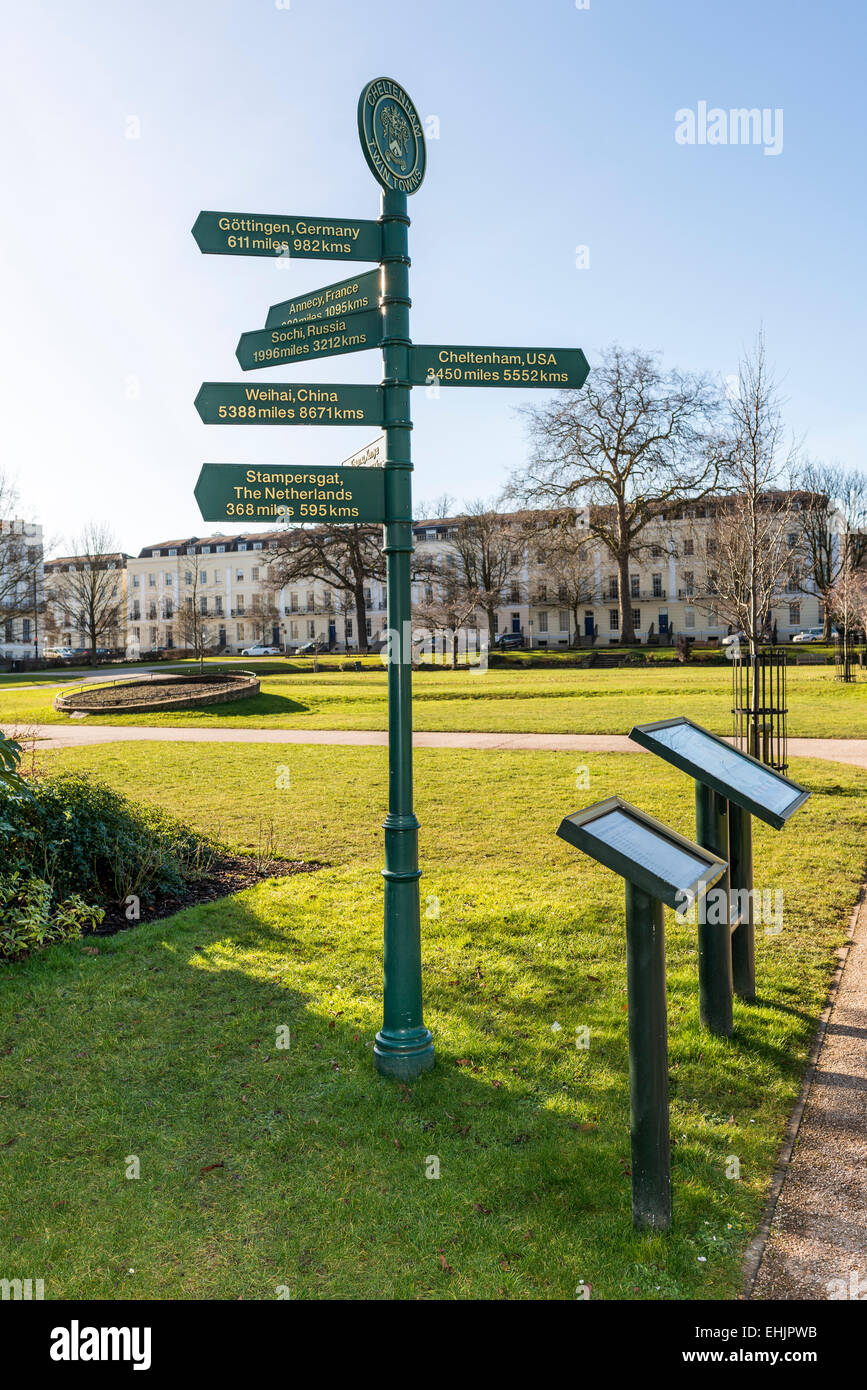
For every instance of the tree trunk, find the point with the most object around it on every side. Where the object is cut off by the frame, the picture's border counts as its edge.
(627, 631)
(361, 618)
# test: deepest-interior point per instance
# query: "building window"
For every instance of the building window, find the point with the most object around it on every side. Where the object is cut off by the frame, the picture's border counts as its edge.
(239, 631)
(188, 577)
(689, 546)
(311, 629)
(173, 552)
(254, 573)
(152, 581)
(311, 601)
(25, 630)
(543, 622)
(203, 577)
(636, 619)
(239, 575)
(613, 587)
(348, 627)
(155, 637)
(168, 580)
(170, 639)
(688, 583)
(514, 594)
(689, 617)
(613, 620)
(221, 549)
(242, 545)
(564, 619)
(634, 585)
(656, 580)
(218, 606)
(293, 602)
(203, 607)
(795, 614)
(135, 583)
(368, 627)
(239, 602)
(656, 551)
(257, 545)
(206, 550)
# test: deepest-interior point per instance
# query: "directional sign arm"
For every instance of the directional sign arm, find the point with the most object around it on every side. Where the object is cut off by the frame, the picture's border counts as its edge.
(265, 234)
(289, 403)
(545, 369)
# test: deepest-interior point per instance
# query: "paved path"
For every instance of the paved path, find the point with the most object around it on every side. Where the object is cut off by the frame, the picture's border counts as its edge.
(817, 1246)
(81, 735)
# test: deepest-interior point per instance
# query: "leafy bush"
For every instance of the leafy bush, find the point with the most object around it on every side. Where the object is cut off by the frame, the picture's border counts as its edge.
(29, 920)
(68, 841)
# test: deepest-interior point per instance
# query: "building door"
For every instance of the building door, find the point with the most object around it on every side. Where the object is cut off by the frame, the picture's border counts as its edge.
(222, 637)
(332, 632)
(516, 622)
(663, 622)
(275, 635)
(589, 625)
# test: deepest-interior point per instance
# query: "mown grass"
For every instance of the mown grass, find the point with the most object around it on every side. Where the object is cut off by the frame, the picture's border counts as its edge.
(543, 701)
(160, 1043)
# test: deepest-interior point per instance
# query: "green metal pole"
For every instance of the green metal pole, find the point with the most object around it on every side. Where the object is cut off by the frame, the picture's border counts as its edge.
(404, 1046)
(714, 933)
(741, 873)
(648, 1061)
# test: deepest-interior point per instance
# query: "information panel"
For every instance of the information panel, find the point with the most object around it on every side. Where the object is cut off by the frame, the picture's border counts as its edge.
(736, 775)
(643, 850)
(234, 492)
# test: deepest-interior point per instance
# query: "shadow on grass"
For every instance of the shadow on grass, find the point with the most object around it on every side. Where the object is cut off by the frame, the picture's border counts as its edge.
(314, 1170)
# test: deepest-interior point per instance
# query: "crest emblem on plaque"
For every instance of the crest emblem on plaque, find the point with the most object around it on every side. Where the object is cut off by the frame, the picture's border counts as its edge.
(391, 135)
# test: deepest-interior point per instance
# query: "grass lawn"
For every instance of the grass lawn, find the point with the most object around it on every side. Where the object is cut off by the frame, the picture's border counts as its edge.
(543, 701)
(301, 1168)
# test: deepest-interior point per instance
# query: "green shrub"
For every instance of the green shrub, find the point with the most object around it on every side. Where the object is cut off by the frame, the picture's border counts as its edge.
(28, 919)
(68, 841)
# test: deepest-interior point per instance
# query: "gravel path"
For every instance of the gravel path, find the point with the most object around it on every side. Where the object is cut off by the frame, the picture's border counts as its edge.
(851, 750)
(817, 1247)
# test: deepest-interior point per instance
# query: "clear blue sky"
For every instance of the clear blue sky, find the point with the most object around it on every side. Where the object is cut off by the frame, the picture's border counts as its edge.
(556, 130)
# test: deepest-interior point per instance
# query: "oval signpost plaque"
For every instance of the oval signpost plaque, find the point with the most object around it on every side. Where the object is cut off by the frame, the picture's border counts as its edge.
(391, 135)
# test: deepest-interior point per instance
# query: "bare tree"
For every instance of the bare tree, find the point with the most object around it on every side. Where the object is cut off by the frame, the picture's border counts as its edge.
(749, 548)
(567, 550)
(489, 550)
(633, 443)
(435, 509)
(446, 606)
(834, 535)
(346, 558)
(20, 563)
(93, 585)
(196, 632)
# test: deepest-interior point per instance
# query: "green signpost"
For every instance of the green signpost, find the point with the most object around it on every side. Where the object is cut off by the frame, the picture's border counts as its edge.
(660, 867)
(545, 368)
(296, 342)
(234, 492)
(289, 403)
(344, 297)
(310, 238)
(371, 310)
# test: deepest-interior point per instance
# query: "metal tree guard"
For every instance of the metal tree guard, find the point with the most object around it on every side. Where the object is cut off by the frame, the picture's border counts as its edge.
(760, 706)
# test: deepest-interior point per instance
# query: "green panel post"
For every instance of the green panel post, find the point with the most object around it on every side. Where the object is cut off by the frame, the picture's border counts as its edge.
(741, 871)
(648, 1060)
(714, 936)
(404, 1046)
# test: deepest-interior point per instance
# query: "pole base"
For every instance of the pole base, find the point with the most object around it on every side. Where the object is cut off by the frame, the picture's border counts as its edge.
(404, 1056)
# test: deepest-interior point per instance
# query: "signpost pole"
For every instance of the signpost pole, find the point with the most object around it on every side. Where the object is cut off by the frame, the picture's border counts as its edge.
(404, 1046)
(741, 871)
(648, 1060)
(714, 936)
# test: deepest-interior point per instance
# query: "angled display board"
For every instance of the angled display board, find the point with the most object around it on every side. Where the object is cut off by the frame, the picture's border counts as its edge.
(643, 850)
(736, 775)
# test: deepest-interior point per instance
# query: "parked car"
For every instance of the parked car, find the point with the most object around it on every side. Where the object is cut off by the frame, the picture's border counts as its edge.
(60, 653)
(260, 651)
(509, 639)
(311, 648)
(810, 634)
